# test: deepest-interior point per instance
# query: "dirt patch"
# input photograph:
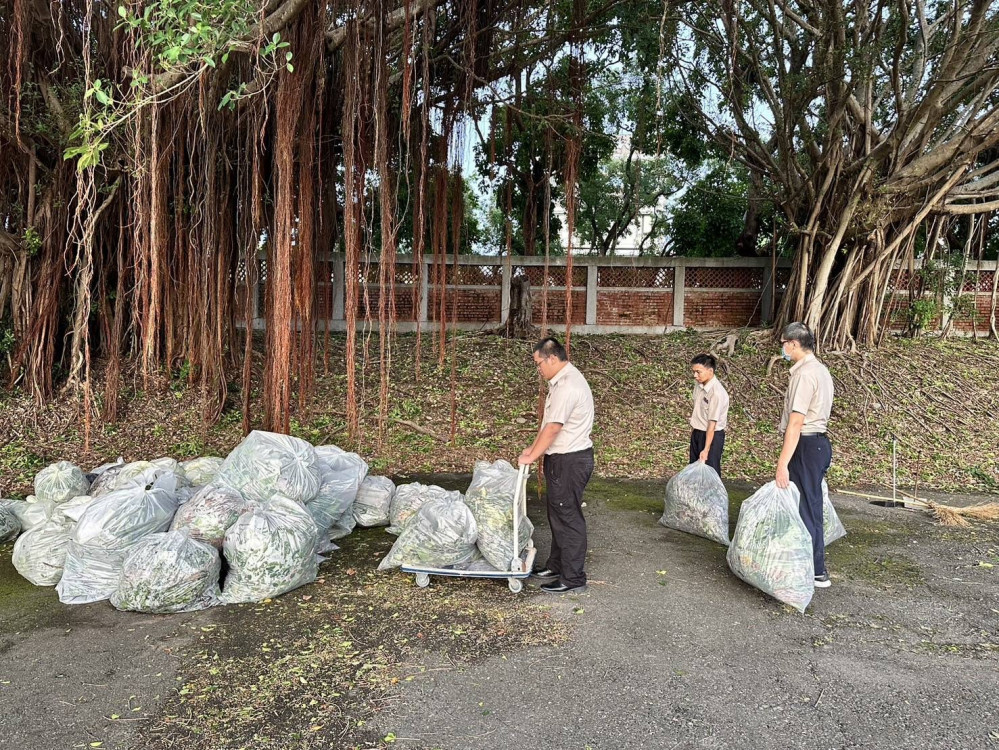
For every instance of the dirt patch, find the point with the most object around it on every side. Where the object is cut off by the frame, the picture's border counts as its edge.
(309, 670)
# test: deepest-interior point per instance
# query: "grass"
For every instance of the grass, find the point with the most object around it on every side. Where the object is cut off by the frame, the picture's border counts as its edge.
(929, 393)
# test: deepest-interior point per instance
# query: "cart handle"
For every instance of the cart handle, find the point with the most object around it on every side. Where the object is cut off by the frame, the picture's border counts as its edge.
(519, 503)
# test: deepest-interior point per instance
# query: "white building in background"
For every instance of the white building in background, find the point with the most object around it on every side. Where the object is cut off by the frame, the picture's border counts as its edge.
(629, 243)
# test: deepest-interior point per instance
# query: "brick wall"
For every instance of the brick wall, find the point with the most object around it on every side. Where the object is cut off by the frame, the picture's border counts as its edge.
(556, 306)
(703, 309)
(403, 302)
(474, 305)
(634, 308)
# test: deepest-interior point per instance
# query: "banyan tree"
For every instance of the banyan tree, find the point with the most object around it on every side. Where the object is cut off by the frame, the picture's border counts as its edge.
(156, 156)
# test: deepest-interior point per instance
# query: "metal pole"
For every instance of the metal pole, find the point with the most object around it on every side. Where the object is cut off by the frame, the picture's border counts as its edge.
(894, 469)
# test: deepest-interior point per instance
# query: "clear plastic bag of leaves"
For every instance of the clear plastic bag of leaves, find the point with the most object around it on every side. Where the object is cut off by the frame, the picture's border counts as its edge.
(697, 503)
(442, 535)
(374, 501)
(210, 513)
(107, 527)
(31, 512)
(10, 524)
(60, 482)
(266, 464)
(771, 548)
(73, 509)
(490, 497)
(168, 572)
(40, 553)
(334, 501)
(346, 465)
(138, 473)
(271, 549)
(201, 471)
(832, 527)
(408, 500)
(105, 479)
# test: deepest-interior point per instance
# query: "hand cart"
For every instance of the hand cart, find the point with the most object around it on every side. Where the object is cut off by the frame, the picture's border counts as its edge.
(520, 567)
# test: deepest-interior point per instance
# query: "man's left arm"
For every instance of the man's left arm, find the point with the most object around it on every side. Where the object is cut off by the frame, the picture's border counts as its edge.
(546, 435)
(791, 437)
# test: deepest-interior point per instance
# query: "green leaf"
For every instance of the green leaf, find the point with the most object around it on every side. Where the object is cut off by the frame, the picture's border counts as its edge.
(288, 56)
(290, 67)
(122, 12)
(210, 62)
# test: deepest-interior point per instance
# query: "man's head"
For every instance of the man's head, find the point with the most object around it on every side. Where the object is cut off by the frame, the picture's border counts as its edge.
(703, 367)
(797, 341)
(549, 356)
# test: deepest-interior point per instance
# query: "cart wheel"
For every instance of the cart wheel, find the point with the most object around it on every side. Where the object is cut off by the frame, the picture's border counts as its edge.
(422, 580)
(515, 585)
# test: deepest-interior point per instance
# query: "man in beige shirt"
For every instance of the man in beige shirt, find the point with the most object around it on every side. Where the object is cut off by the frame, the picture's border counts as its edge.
(709, 417)
(806, 453)
(564, 441)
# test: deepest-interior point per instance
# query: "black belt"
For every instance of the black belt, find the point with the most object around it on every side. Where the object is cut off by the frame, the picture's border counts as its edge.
(573, 453)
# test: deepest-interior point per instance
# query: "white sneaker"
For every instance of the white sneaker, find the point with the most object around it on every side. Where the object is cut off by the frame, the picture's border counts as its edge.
(822, 581)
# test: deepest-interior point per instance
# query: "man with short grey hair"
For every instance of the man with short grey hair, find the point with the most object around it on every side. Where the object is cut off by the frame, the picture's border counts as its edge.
(806, 454)
(564, 441)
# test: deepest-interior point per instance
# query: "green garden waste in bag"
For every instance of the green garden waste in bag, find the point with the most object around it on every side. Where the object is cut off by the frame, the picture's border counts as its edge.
(442, 535)
(697, 503)
(60, 482)
(271, 549)
(10, 524)
(409, 498)
(490, 497)
(266, 464)
(374, 501)
(338, 489)
(107, 528)
(201, 471)
(168, 572)
(771, 548)
(210, 513)
(40, 553)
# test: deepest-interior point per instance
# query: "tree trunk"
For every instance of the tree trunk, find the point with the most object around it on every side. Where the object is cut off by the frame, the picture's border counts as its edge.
(518, 322)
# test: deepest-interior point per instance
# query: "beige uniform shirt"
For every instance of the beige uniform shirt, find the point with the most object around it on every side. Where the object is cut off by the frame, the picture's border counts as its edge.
(710, 405)
(570, 403)
(809, 392)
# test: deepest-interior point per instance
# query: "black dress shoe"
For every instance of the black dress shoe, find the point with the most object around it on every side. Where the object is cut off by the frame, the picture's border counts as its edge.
(557, 587)
(544, 573)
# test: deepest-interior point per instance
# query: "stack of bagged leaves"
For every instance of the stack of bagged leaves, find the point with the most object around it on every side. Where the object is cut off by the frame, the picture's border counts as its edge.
(161, 536)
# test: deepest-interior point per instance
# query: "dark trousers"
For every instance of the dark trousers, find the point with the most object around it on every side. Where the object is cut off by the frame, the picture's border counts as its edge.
(566, 475)
(697, 440)
(807, 468)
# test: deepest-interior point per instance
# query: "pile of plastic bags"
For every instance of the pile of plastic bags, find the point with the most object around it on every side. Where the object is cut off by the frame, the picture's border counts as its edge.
(158, 536)
(470, 532)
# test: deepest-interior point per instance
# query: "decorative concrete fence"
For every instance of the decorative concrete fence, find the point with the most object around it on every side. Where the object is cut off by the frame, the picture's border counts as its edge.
(645, 295)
